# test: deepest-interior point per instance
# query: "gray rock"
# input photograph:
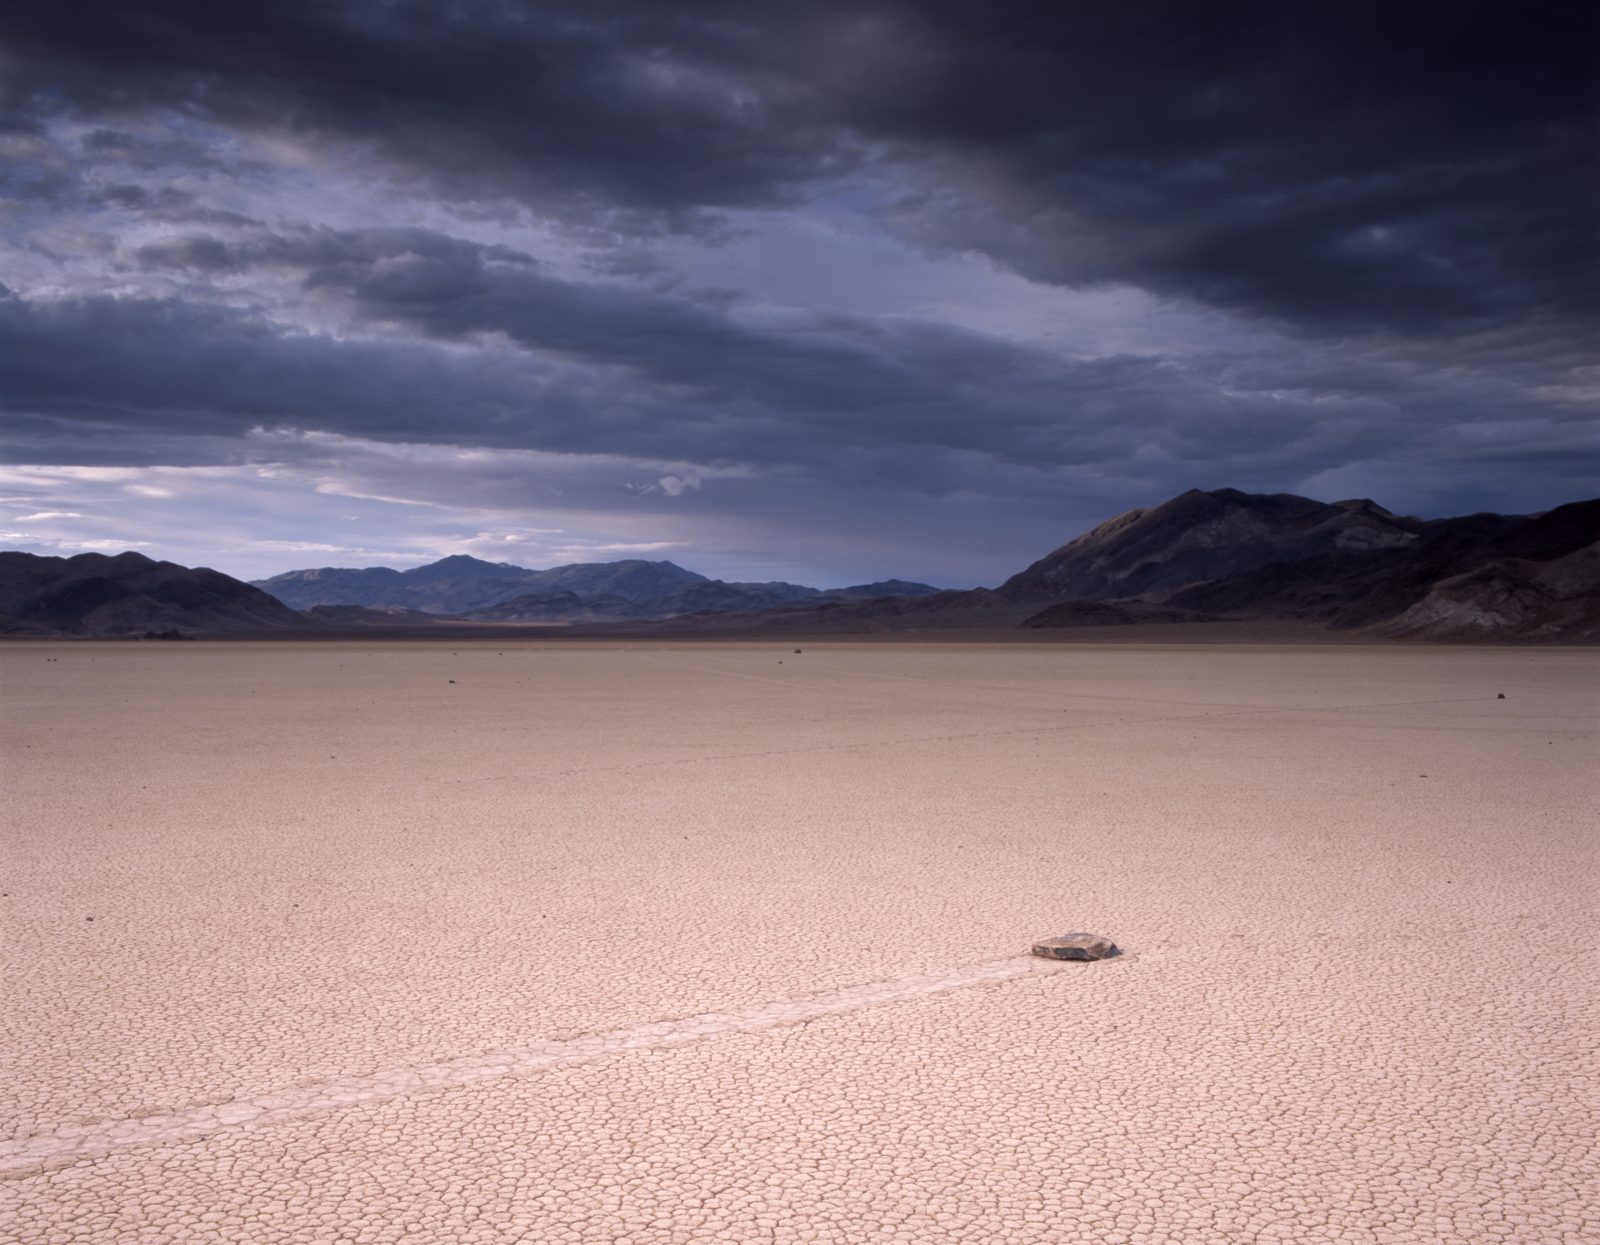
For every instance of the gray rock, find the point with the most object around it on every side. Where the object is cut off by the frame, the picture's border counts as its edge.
(1075, 946)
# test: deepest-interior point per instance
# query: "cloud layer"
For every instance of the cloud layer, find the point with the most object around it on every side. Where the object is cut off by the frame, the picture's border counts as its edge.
(749, 282)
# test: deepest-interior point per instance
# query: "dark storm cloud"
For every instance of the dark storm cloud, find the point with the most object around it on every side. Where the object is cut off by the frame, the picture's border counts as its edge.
(594, 368)
(894, 380)
(1415, 166)
(1422, 167)
(593, 109)
(497, 353)
(322, 254)
(746, 384)
(149, 369)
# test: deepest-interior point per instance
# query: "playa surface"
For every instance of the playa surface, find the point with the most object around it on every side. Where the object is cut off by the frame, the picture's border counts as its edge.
(684, 942)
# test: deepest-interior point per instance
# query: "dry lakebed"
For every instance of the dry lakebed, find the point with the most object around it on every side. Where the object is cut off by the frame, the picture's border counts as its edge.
(719, 941)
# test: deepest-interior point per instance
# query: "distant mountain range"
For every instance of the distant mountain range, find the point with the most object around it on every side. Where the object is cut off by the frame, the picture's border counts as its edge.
(459, 584)
(470, 588)
(1224, 555)
(1202, 557)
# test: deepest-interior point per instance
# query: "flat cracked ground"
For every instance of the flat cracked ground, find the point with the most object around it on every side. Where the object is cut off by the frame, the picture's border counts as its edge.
(721, 942)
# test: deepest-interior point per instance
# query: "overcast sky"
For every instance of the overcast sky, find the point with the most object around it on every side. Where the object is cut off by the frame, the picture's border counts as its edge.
(825, 292)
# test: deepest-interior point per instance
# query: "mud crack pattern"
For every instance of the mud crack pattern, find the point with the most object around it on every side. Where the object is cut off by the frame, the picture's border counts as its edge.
(378, 959)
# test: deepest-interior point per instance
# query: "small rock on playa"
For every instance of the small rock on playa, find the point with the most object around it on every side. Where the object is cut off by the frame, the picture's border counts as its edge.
(1075, 946)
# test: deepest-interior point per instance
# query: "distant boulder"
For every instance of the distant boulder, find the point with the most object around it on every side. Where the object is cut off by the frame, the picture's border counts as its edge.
(1075, 946)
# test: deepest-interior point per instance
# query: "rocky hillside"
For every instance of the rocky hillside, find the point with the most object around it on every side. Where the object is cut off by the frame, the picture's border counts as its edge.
(1510, 598)
(93, 594)
(1198, 537)
(1484, 576)
(1348, 565)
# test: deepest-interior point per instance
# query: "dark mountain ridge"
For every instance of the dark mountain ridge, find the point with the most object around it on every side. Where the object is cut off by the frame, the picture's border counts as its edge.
(1346, 565)
(95, 594)
(1198, 537)
(1482, 576)
(465, 587)
(460, 583)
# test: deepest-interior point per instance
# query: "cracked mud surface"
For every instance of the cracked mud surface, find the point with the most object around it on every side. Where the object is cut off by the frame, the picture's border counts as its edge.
(1356, 1004)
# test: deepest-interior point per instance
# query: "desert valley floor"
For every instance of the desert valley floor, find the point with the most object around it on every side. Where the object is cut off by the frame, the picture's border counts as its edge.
(655, 942)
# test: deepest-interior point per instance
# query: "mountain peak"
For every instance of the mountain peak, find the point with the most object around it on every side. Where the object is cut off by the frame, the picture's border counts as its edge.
(465, 561)
(1201, 535)
(127, 558)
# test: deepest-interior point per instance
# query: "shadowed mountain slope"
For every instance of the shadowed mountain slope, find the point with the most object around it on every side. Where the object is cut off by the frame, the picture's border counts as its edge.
(1483, 576)
(1197, 537)
(129, 594)
(1510, 598)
